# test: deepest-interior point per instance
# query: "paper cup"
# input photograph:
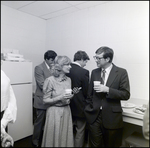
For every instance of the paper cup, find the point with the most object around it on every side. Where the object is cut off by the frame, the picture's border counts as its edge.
(97, 83)
(68, 91)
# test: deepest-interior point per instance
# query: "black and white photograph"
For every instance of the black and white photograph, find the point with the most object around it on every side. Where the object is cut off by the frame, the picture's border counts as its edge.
(74, 73)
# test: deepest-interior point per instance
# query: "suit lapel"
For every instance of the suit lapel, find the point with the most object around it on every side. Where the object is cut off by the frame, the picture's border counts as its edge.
(113, 74)
(46, 70)
(98, 75)
(44, 65)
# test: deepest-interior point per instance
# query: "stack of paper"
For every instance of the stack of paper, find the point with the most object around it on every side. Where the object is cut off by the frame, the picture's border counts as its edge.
(13, 57)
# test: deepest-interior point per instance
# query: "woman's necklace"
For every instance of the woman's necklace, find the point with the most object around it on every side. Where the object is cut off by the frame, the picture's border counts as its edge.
(61, 78)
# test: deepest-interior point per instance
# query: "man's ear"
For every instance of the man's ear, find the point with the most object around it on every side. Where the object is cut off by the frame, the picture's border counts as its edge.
(51, 59)
(108, 59)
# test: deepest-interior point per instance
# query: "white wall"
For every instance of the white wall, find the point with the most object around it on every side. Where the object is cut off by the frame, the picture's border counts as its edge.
(121, 25)
(23, 32)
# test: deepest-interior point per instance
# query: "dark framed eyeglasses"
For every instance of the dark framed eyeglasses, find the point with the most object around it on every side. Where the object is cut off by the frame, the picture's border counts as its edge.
(97, 58)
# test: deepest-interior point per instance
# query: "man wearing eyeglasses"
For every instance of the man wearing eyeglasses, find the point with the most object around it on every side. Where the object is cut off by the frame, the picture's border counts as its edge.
(103, 110)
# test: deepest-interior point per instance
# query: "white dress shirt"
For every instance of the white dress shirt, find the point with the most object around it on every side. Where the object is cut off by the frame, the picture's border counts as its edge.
(8, 101)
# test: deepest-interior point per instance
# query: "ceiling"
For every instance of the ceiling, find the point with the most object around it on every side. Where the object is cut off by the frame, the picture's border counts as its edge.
(50, 9)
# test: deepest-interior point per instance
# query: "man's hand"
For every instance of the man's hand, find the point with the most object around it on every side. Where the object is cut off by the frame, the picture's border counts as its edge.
(101, 88)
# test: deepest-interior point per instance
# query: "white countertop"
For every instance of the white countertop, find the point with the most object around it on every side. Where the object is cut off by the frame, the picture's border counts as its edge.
(129, 112)
(130, 116)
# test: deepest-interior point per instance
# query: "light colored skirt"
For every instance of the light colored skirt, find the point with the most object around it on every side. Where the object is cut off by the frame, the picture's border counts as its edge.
(58, 129)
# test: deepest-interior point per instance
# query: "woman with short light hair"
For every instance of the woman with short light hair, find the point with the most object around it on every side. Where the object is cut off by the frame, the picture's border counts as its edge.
(58, 130)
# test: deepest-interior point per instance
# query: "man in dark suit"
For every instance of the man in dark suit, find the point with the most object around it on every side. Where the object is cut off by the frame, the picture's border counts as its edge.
(80, 80)
(103, 110)
(41, 72)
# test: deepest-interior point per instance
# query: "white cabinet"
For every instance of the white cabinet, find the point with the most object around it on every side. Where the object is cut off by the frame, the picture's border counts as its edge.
(23, 126)
(20, 74)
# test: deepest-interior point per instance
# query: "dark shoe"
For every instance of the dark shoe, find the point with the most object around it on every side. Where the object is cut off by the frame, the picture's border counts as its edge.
(35, 145)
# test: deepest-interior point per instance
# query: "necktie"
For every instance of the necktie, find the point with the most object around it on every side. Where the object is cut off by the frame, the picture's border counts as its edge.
(103, 76)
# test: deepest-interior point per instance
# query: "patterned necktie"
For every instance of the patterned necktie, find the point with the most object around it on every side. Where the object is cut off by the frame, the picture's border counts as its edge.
(103, 76)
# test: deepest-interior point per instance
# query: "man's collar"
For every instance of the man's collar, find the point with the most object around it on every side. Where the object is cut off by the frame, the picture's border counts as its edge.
(47, 65)
(76, 63)
(108, 68)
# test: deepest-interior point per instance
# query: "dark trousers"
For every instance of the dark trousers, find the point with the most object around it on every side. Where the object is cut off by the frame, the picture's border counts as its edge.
(38, 126)
(79, 125)
(102, 137)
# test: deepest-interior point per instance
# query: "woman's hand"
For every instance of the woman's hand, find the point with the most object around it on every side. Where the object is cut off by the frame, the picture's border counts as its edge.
(68, 95)
(76, 90)
(66, 98)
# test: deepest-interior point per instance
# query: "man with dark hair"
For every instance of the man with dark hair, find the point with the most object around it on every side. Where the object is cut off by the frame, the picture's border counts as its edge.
(80, 81)
(103, 111)
(41, 72)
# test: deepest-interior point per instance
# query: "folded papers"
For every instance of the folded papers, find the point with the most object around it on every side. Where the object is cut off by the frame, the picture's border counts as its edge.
(139, 109)
(13, 57)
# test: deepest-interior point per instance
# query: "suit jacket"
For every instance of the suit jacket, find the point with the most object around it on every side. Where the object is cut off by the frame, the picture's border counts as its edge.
(41, 72)
(119, 89)
(79, 78)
